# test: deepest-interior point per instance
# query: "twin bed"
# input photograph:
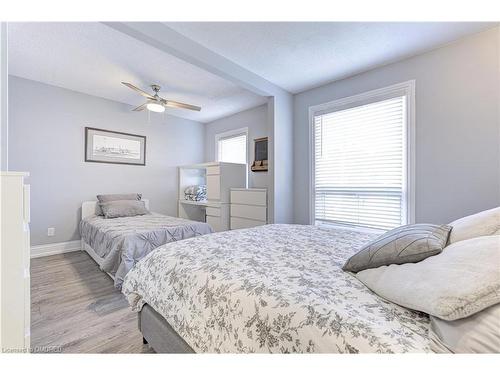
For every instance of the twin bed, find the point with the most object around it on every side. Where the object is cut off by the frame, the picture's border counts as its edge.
(117, 244)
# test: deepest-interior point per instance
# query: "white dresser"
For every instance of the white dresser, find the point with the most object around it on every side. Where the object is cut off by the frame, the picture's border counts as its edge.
(248, 208)
(15, 262)
(219, 177)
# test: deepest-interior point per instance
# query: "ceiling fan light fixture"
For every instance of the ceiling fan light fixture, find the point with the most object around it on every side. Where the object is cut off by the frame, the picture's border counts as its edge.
(156, 103)
(155, 107)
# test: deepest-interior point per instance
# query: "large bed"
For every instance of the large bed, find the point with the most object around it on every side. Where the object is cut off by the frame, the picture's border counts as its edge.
(271, 289)
(118, 244)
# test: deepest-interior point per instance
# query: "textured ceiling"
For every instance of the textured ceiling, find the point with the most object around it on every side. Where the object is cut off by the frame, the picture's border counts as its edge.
(93, 58)
(299, 56)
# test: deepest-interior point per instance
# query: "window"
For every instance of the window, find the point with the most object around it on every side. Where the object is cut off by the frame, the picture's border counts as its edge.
(361, 168)
(231, 146)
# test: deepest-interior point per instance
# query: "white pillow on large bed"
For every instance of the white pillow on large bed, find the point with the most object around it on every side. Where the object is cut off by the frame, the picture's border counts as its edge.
(479, 333)
(485, 223)
(461, 281)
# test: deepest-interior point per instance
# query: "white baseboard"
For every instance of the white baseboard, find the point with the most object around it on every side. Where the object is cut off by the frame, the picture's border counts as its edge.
(55, 248)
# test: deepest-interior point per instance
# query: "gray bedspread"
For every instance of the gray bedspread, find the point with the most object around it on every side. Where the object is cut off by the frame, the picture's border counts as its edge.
(122, 242)
(272, 289)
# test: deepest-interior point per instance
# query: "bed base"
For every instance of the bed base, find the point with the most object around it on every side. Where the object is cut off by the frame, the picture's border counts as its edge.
(159, 334)
(154, 328)
(86, 247)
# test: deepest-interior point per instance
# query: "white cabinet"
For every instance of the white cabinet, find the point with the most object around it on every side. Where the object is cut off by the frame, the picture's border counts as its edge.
(217, 216)
(213, 187)
(219, 179)
(248, 208)
(215, 223)
(15, 262)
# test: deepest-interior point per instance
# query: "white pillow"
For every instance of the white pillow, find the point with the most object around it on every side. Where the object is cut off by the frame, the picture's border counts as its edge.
(461, 281)
(479, 333)
(485, 223)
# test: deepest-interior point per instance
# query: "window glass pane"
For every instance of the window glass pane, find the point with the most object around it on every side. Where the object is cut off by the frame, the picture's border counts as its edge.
(359, 171)
(233, 149)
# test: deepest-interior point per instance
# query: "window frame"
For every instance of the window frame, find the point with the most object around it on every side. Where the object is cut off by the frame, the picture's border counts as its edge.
(231, 134)
(400, 89)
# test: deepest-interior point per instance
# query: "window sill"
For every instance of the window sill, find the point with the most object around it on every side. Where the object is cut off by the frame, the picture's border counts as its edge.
(349, 227)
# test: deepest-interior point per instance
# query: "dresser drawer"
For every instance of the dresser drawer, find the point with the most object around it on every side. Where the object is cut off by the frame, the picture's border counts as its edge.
(26, 204)
(240, 223)
(213, 211)
(249, 197)
(215, 222)
(249, 212)
(27, 313)
(213, 170)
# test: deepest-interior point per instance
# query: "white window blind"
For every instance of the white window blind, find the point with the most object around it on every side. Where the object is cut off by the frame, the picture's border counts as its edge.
(359, 165)
(232, 149)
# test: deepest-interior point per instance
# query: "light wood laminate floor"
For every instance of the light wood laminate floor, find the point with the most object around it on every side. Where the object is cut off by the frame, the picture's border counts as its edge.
(75, 307)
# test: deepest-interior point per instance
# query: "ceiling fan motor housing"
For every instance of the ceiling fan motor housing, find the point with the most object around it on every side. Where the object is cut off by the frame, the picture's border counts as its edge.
(156, 88)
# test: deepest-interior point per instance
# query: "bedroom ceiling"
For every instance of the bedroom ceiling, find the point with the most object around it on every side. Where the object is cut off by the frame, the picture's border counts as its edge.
(299, 56)
(93, 58)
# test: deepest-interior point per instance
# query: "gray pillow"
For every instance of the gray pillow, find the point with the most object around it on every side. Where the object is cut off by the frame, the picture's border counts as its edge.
(123, 208)
(406, 244)
(102, 198)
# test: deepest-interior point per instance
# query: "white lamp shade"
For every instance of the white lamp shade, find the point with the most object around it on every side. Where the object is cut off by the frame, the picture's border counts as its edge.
(155, 107)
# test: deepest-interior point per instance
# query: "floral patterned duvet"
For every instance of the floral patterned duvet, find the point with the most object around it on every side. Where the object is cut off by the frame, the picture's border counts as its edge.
(272, 289)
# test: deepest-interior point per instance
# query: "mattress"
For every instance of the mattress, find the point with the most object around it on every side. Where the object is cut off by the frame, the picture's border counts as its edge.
(272, 289)
(121, 242)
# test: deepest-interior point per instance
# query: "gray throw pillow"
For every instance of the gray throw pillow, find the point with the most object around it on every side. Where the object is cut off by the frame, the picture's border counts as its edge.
(102, 198)
(123, 208)
(407, 244)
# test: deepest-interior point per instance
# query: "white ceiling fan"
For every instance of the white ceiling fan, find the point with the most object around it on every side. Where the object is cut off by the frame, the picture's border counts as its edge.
(156, 103)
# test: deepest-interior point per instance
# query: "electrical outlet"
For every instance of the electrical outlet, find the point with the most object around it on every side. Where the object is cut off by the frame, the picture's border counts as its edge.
(51, 232)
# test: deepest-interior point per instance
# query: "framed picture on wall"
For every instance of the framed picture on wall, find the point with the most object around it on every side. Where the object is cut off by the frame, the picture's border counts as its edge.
(260, 163)
(106, 146)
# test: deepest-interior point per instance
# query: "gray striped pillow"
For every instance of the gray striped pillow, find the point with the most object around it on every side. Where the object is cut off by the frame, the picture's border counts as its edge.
(103, 198)
(123, 208)
(406, 244)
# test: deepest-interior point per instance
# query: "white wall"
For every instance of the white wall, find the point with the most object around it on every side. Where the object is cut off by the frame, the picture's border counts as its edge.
(282, 168)
(457, 126)
(255, 120)
(47, 139)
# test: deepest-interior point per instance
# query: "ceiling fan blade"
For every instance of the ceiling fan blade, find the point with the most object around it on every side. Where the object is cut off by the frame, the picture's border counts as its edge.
(174, 104)
(140, 108)
(142, 92)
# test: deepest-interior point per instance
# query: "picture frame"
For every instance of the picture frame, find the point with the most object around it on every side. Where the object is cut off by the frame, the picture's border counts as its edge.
(108, 146)
(260, 163)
